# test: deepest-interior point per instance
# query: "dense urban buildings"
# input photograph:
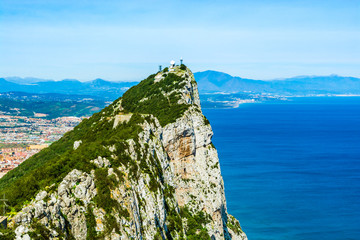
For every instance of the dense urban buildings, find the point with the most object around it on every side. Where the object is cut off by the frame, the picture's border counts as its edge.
(21, 137)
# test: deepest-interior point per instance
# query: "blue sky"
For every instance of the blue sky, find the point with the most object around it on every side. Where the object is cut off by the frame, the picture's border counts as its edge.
(127, 40)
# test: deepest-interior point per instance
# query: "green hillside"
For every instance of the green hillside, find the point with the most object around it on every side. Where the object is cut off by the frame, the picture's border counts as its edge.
(51, 165)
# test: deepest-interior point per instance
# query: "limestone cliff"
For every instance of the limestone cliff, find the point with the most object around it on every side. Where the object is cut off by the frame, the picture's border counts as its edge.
(143, 168)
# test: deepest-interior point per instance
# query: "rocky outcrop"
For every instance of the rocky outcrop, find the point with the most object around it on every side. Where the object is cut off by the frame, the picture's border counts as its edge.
(165, 183)
(59, 209)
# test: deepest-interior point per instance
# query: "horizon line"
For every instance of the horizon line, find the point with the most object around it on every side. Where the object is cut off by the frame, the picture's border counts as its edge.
(119, 81)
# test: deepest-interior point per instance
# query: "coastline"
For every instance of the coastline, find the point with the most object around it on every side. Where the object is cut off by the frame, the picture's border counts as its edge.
(236, 103)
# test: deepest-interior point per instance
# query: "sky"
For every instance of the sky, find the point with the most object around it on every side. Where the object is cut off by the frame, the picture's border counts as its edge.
(127, 40)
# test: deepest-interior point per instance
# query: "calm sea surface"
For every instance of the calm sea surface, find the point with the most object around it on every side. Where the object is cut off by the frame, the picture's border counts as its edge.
(292, 169)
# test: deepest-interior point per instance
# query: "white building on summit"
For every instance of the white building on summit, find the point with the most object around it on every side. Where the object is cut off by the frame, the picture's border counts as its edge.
(172, 66)
(172, 63)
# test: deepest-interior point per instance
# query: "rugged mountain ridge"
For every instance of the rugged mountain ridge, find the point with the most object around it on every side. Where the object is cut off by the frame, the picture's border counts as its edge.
(142, 168)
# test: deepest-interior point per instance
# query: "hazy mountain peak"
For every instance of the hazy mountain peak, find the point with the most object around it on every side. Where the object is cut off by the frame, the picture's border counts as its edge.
(26, 80)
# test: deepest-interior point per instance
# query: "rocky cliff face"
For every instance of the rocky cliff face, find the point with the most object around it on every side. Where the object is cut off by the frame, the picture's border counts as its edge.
(154, 172)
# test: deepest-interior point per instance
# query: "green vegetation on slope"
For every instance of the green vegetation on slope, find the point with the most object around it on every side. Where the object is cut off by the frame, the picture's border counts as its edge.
(196, 224)
(52, 164)
(148, 97)
(7, 234)
(90, 223)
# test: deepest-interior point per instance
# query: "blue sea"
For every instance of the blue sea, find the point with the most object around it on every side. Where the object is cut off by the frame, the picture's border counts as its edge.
(292, 168)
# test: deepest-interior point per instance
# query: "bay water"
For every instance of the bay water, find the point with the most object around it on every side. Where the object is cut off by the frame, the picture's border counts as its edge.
(292, 168)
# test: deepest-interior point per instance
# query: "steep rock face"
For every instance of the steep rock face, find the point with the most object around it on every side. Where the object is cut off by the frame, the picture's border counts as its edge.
(155, 175)
(59, 207)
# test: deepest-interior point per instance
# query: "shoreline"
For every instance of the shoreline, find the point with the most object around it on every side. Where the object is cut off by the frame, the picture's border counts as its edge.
(237, 104)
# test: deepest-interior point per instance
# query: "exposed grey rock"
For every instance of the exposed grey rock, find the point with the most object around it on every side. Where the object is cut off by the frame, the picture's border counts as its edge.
(61, 208)
(77, 144)
(21, 233)
(101, 162)
(41, 195)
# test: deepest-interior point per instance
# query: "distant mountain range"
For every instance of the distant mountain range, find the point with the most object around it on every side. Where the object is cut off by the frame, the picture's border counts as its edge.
(208, 82)
(213, 81)
(98, 87)
(27, 80)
